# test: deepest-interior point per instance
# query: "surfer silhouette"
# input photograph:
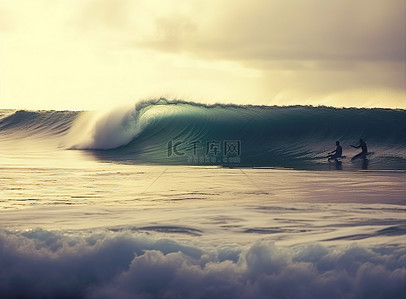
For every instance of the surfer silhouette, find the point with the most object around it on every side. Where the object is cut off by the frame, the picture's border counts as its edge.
(337, 153)
(364, 152)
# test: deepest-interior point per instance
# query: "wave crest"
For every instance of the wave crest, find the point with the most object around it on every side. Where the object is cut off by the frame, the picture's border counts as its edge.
(107, 129)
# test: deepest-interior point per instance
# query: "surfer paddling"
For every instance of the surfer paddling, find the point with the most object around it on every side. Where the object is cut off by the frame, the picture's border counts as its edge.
(363, 146)
(337, 153)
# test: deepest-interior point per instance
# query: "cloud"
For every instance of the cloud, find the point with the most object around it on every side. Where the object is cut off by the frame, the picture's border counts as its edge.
(104, 14)
(315, 50)
(104, 264)
(79, 55)
(290, 30)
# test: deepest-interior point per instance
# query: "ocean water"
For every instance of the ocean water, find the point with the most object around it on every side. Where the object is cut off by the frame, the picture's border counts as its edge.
(180, 200)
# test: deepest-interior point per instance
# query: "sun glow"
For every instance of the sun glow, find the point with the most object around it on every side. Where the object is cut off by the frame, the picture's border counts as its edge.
(95, 54)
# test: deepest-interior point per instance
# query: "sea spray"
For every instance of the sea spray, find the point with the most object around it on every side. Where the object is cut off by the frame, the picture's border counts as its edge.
(105, 129)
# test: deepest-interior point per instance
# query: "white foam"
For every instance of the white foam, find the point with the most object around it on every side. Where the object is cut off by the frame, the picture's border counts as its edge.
(105, 129)
(38, 264)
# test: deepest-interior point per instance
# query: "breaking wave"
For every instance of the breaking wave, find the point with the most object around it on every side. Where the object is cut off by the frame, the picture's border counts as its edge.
(179, 132)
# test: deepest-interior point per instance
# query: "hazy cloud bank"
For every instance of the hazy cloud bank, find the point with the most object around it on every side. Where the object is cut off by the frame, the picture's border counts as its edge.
(79, 54)
(291, 30)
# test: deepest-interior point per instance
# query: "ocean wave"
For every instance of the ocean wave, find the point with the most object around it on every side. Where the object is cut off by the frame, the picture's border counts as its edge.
(23, 123)
(105, 264)
(105, 129)
(179, 132)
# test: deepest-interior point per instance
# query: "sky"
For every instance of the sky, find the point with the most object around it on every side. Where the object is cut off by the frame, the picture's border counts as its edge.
(94, 54)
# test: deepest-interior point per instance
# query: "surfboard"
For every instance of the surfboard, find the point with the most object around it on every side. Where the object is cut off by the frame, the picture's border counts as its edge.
(362, 156)
(336, 159)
